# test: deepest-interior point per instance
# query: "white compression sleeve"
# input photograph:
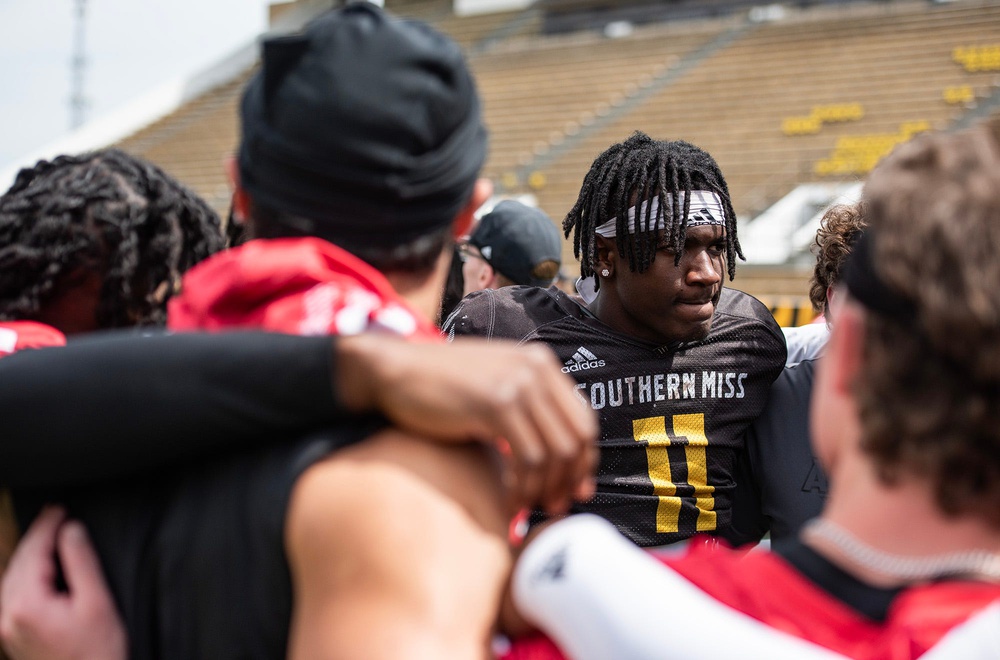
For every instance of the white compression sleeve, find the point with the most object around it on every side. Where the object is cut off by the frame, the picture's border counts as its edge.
(598, 596)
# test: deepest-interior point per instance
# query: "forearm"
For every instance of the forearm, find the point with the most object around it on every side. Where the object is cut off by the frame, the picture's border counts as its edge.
(598, 596)
(117, 404)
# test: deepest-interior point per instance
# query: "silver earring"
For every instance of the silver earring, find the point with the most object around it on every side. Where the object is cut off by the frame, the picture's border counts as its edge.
(605, 272)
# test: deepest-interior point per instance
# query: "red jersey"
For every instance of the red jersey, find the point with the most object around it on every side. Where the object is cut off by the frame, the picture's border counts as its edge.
(765, 587)
(303, 286)
(18, 335)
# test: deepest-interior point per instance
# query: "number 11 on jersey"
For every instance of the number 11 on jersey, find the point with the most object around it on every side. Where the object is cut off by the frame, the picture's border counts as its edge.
(688, 430)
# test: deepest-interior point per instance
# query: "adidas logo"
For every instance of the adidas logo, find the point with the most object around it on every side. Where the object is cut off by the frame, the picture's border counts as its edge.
(581, 361)
(554, 569)
(702, 217)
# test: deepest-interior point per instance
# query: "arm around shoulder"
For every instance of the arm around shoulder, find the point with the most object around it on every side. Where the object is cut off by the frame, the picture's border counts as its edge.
(148, 402)
(396, 545)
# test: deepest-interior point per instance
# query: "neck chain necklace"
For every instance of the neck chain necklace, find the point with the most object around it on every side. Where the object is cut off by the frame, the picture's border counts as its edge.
(976, 564)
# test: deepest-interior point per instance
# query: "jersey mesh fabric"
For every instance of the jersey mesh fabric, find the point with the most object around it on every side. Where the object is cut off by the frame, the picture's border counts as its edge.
(672, 417)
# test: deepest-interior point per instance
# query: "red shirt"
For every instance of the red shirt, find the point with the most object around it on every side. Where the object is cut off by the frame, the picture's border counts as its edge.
(18, 335)
(303, 286)
(767, 588)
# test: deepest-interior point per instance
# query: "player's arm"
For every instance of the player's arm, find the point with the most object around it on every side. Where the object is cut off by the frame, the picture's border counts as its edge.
(397, 547)
(599, 596)
(471, 388)
(119, 403)
(115, 405)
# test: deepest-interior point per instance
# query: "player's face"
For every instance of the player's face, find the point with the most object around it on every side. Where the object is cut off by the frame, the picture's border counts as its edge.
(476, 271)
(668, 302)
(72, 308)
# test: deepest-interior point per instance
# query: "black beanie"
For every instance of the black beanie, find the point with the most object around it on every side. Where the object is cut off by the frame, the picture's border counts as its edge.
(366, 125)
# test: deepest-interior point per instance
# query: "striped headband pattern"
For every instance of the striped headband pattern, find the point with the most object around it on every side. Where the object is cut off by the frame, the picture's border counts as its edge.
(706, 209)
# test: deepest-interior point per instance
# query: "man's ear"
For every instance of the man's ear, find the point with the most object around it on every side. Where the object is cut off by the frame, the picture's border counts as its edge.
(606, 255)
(845, 351)
(241, 201)
(488, 277)
(463, 221)
(831, 293)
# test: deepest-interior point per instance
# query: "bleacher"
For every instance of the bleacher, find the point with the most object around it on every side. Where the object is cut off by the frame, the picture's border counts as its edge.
(729, 85)
(540, 91)
(895, 60)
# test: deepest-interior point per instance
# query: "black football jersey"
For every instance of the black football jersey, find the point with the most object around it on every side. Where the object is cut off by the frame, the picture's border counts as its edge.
(672, 417)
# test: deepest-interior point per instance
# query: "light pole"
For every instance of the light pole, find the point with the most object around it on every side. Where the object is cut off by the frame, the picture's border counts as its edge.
(78, 65)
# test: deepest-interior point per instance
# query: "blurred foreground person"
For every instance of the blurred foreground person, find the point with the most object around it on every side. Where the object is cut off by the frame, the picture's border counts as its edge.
(302, 548)
(98, 240)
(781, 485)
(907, 423)
(95, 241)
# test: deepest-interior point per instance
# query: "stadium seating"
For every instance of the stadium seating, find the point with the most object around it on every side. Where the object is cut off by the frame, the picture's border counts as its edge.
(854, 77)
(892, 59)
(978, 58)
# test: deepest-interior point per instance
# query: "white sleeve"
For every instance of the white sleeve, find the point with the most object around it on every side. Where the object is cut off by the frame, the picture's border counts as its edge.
(805, 342)
(976, 639)
(598, 596)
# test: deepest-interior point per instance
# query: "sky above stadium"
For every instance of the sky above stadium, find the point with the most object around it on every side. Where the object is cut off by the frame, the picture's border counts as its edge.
(132, 47)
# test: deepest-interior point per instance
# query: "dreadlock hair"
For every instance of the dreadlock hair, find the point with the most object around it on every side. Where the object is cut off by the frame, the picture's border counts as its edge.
(105, 210)
(631, 172)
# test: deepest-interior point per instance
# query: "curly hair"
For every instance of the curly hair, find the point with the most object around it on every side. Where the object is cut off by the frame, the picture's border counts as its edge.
(839, 229)
(106, 211)
(638, 169)
(929, 390)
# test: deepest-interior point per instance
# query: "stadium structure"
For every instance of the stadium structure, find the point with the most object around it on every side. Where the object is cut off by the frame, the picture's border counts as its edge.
(797, 101)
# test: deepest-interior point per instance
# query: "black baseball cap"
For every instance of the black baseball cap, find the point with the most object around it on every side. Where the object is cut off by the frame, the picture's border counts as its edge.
(515, 239)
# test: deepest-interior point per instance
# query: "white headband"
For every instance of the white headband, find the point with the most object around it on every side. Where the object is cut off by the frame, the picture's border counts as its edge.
(706, 209)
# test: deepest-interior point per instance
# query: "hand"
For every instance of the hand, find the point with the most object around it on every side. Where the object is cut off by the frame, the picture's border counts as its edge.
(486, 390)
(37, 620)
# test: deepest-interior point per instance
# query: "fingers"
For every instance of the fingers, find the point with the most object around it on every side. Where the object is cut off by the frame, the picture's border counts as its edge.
(576, 424)
(32, 565)
(527, 458)
(552, 436)
(81, 567)
(485, 390)
(91, 608)
(28, 585)
(562, 451)
(37, 620)
(571, 429)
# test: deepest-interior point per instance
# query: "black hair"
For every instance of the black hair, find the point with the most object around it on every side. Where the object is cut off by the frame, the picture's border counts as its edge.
(106, 211)
(633, 171)
(416, 256)
(454, 286)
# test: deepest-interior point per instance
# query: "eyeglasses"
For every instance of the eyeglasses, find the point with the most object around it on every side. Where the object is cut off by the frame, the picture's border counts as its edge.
(466, 252)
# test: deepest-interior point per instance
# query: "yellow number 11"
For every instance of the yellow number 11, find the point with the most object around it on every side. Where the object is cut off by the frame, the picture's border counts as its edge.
(689, 428)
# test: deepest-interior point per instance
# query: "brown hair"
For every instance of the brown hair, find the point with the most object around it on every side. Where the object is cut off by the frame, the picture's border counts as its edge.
(839, 230)
(929, 389)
